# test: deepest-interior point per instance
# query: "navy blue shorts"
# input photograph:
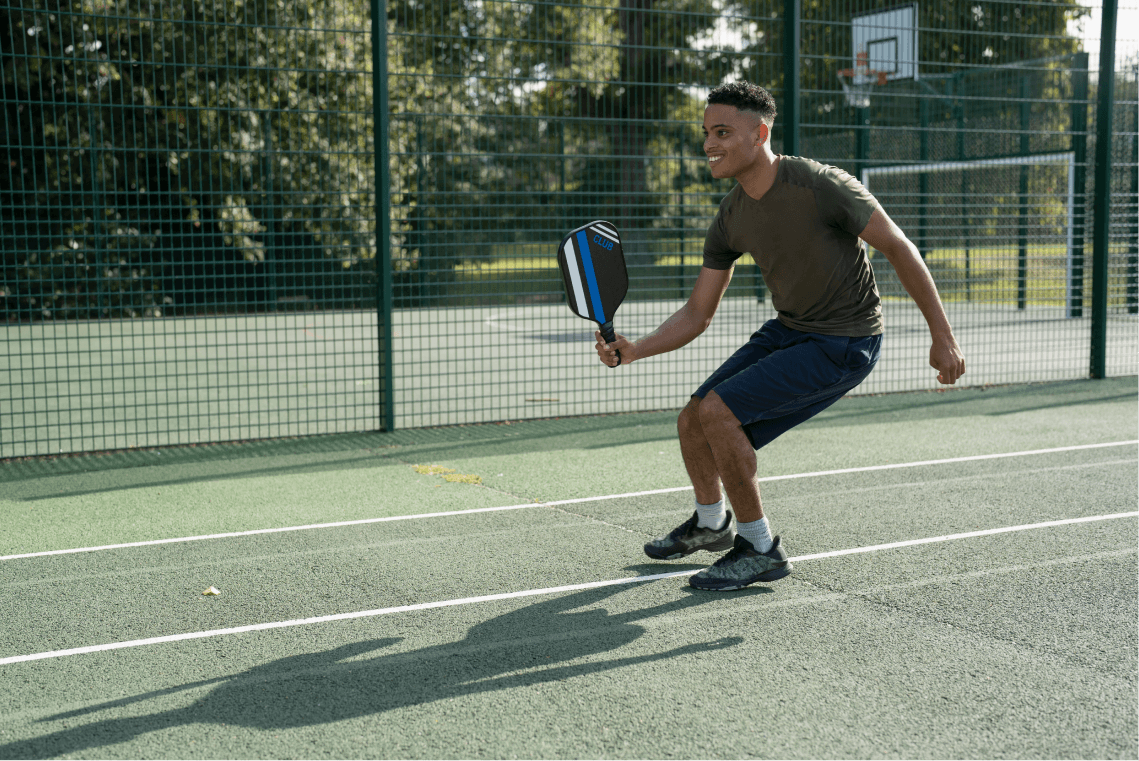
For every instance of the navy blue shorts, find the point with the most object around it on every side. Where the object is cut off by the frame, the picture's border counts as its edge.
(782, 377)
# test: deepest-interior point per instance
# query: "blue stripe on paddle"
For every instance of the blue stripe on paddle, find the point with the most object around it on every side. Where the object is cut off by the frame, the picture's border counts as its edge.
(590, 276)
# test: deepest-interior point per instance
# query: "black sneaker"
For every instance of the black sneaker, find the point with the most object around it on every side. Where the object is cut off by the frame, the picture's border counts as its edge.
(688, 538)
(742, 566)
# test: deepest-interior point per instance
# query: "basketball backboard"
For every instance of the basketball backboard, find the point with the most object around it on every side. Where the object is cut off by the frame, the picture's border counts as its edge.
(885, 43)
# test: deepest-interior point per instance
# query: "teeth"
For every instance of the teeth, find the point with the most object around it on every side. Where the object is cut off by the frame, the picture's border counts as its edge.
(714, 159)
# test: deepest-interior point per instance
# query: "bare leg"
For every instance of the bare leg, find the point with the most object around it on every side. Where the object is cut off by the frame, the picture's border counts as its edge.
(698, 458)
(733, 457)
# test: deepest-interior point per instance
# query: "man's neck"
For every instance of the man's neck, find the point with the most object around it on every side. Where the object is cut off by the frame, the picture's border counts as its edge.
(758, 180)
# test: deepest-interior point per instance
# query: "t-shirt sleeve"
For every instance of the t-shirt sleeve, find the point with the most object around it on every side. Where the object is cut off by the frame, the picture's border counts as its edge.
(843, 201)
(718, 255)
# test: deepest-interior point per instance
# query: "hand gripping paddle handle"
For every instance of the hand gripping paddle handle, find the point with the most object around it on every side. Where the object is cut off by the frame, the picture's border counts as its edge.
(610, 336)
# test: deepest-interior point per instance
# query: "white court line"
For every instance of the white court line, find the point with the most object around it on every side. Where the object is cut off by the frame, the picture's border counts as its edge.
(420, 516)
(526, 593)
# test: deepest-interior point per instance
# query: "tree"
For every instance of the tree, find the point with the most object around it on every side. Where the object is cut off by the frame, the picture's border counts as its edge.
(187, 155)
(180, 153)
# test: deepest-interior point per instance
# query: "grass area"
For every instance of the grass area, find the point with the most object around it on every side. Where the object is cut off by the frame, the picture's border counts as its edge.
(990, 275)
(982, 275)
(533, 279)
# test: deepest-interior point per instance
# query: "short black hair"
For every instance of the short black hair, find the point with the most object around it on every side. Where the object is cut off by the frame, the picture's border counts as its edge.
(746, 97)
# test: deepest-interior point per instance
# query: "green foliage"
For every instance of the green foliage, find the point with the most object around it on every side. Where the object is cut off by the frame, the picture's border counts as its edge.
(197, 153)
(187, 156)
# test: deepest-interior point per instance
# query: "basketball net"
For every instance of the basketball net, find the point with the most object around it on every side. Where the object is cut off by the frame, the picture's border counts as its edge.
(859, 82)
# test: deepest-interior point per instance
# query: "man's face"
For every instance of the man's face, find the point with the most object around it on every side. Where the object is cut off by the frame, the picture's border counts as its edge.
(733, 140)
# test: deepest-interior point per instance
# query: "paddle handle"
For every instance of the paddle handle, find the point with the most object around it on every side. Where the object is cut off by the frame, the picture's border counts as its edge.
(610, 336)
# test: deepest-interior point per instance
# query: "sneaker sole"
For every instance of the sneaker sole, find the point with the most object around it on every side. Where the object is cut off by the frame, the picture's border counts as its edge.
(723, 544)
(727, 586)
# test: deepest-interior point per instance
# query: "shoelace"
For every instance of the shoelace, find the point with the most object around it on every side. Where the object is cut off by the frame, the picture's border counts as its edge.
(733, 553)
(684, 529)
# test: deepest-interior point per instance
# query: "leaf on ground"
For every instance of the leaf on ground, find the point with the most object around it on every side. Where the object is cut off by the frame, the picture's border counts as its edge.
(431, 470)
(450, 475)
(463, 478)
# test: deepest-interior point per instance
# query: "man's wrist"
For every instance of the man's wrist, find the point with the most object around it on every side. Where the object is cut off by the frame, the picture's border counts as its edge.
(941, 330)
(944, 336)
(629, 353)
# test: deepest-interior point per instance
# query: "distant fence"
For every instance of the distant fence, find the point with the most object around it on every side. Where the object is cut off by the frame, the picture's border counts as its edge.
(194, 248)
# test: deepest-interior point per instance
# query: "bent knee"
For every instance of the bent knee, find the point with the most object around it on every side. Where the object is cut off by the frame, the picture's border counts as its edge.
(715, 415)
(689, 419)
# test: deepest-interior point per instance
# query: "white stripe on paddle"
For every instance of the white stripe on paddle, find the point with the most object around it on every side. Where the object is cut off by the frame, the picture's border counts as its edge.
(605, 231)
(575, 279)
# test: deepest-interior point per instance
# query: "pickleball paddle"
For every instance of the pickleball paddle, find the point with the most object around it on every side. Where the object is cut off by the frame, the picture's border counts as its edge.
(593, 269)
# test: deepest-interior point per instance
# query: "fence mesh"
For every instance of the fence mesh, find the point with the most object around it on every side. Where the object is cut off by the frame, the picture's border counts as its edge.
(1123, 262)
(188, 213)
(188, 209)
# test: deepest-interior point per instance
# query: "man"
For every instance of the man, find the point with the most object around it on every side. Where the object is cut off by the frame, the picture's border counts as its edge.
(804, 224)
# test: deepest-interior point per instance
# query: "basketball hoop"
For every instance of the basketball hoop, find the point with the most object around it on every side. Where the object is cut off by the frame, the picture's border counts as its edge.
(859, 82)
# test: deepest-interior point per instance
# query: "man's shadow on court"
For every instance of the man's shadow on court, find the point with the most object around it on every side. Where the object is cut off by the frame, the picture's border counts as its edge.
(532, 645)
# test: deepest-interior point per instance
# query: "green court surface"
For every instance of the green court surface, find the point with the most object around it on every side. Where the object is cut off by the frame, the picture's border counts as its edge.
(965, 586)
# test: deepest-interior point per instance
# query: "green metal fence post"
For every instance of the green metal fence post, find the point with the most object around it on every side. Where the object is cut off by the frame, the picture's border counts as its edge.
(1101, 222)
(269, 210)
(792, 11)
(563, 201)
(862, 142)
(1133, 246)
(791, 76)
(98, 205)
(682, 187)
(383, 209)
(1079, 145)
(1022, 206)
(957, 85)
(923, 180)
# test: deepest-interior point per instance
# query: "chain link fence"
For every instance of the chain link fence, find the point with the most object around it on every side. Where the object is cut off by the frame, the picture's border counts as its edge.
(194, 249)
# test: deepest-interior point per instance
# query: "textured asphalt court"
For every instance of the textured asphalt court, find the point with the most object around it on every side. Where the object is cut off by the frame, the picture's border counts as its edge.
(1017, 644)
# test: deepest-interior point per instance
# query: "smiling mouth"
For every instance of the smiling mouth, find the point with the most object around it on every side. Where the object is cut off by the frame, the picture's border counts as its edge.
(714, 159)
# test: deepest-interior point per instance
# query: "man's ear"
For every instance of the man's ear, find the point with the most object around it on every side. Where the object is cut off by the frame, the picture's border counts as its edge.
(763, 134)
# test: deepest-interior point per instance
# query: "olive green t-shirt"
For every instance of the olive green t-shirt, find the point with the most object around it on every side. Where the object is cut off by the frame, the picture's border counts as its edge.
(803, 234)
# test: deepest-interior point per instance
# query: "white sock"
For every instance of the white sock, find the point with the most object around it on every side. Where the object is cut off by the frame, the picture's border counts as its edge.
(756, 532)
(711, 516)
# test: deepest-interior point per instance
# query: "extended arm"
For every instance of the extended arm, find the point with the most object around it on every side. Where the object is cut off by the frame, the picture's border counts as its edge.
(944, 355)
(681, 328)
